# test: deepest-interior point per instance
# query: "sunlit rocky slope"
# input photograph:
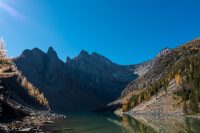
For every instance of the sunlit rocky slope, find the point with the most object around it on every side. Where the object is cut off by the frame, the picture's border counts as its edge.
(167, 85)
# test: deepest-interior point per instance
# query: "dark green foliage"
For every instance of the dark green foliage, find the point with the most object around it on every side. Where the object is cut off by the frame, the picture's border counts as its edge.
(193, 77)
(185, 93)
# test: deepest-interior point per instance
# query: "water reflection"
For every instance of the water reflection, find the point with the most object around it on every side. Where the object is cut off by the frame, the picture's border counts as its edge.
(109, 123)
(142, 124)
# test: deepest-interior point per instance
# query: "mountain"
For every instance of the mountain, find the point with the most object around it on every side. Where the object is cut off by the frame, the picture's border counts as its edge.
(166, 85)
(84, 83)
(149, 71)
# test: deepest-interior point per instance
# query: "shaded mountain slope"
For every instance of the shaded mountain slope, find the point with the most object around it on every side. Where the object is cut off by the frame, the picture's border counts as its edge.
(16, 99)
(85, 83)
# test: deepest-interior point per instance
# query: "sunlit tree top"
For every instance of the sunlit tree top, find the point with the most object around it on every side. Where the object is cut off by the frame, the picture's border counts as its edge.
(2, 48)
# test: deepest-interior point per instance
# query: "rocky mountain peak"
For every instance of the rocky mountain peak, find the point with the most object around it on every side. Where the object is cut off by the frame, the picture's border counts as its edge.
(96, 55)
(52, 53)
(101, 58)
(35, 52)
(84, 53)
(68, 60)
(164, 51)
(25, 52)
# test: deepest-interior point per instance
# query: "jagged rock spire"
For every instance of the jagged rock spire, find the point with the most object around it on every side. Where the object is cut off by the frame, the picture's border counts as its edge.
(52, 53)
(164, 51)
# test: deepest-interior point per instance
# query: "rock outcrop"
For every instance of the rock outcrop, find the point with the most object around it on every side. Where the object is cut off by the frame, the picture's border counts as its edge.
(164, 52)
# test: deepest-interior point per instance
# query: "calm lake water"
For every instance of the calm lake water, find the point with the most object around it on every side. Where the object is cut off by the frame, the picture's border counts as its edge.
(109, 123)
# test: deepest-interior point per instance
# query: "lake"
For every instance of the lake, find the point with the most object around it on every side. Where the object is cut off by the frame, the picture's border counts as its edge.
(109, 123)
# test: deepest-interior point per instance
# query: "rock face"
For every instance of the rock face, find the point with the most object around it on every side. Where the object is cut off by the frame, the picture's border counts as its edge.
(164, 52)
(148, 72)
(85, 83)
(143, 68)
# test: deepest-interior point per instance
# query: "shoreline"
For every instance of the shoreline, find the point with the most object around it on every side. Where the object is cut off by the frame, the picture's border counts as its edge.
(156, 115)
(32, 123)
(162, 115)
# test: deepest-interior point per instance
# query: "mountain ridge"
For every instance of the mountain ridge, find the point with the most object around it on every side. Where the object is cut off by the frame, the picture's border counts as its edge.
(169, 87)
(86, 82)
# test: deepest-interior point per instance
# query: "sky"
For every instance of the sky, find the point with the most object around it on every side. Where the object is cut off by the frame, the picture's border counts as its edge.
(125, 31)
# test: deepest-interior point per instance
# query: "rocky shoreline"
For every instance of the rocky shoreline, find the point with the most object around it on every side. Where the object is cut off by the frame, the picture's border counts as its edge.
(156, 114)
(31, 123)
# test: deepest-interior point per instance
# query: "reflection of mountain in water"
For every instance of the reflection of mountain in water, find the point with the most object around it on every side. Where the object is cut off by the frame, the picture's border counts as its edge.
(130, 125)
(109, 123)
(158, 125)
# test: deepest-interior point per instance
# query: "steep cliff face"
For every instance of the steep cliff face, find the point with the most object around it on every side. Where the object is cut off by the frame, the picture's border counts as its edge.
(85, 83)
(104, 76)
(43, 68)
(143, 68)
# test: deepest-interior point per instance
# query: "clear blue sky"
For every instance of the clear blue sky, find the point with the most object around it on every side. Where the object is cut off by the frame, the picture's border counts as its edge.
(125, 31)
